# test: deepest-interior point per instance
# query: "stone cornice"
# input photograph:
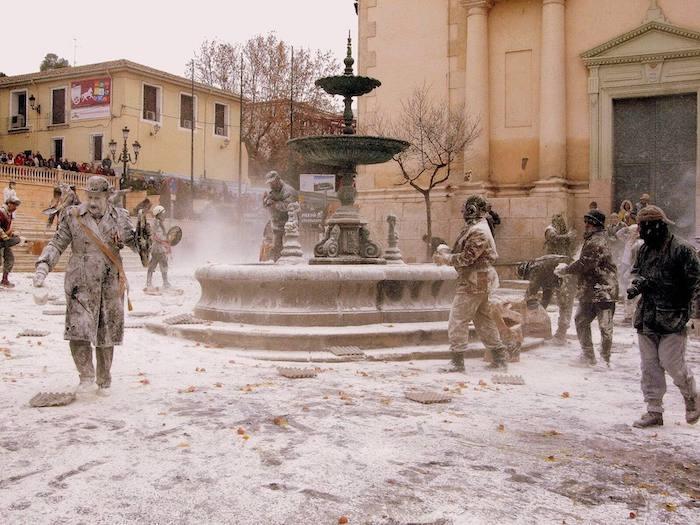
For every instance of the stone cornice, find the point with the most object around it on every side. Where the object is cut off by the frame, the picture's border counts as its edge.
(637, 59)
(475, 4)
(591, 57)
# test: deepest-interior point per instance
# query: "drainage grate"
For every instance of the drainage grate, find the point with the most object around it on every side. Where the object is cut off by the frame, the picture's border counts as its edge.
(507, 380)
(32, 333)
(183, 319)
(297, 373)
(54, 311)
(427, 397)
(346, 351)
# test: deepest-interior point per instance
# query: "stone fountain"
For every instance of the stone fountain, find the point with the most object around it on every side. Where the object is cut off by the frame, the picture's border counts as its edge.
(347, 239)
(347, 294)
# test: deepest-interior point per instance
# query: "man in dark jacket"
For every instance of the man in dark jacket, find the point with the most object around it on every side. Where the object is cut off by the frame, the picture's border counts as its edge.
(667, 274)
(597, 287)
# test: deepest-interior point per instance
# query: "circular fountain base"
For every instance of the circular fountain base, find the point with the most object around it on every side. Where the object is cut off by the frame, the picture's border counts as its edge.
(285, 312)
(325, 295)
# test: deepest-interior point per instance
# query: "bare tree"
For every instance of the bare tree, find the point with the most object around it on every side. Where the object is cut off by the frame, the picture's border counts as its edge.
(437, 135)
(269, 82)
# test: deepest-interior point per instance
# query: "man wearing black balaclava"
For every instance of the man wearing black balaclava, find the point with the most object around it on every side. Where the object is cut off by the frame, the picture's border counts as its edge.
(668, 278)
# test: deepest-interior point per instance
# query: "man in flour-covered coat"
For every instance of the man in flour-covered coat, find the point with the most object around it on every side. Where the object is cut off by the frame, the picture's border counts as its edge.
(95, 282)
(473, 256)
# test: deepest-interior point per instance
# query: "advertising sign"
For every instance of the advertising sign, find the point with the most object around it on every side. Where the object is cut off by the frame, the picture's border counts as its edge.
(90, 99)
(316, 183)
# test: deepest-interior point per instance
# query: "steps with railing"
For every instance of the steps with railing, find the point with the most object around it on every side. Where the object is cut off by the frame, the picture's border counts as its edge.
(34, 231)
(47, 176)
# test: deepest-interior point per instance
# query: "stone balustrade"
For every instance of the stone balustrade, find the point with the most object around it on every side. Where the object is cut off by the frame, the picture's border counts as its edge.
(47, 176)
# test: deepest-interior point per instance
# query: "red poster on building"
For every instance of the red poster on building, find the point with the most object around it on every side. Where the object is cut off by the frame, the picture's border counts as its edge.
(90, 98)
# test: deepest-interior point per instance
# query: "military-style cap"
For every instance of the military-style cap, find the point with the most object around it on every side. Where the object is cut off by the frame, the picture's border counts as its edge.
(653, 213)
(97, 184)
(595, 217)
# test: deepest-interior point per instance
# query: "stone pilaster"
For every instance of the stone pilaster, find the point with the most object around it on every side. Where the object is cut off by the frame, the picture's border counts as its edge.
(553, 91)
(477, 157)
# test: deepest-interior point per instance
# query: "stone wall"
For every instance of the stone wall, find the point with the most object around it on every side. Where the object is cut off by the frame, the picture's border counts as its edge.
(520, 236)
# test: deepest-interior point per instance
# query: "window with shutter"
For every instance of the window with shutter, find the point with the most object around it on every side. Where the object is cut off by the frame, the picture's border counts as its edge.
(186, 111)
(150, 103)
(58, 106)
(97, 148)
(220, 124)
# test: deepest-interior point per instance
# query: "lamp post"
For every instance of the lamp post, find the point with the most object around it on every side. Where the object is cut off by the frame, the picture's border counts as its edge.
(124, 158)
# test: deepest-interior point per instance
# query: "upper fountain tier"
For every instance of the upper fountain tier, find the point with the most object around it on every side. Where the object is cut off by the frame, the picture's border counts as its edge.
(347, 149)
(348, 85)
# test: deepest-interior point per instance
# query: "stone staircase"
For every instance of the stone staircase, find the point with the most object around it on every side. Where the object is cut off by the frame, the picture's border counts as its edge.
(34, 231)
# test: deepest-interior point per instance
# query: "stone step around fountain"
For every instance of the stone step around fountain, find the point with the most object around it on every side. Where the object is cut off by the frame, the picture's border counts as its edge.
(383, 342)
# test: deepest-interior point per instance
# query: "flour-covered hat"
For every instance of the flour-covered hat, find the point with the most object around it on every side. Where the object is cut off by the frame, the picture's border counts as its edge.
(653, 213)
(97, 184)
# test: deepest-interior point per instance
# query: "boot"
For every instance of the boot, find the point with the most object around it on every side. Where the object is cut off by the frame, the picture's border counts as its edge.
(559, 339)
(692, 409)
(457, 362)
(5, 282)
(606, 352)
(84, 387)
(650, 419)
(585, 359)
(103, 391)
(498, 365)
(166, 283)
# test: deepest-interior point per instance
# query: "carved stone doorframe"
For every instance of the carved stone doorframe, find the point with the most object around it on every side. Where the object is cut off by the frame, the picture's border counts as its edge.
(655, 59)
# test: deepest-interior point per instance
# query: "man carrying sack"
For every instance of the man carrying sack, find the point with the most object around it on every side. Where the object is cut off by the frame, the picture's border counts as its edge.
(95, 282)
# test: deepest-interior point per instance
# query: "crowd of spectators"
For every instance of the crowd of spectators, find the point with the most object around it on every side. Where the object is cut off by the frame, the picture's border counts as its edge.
(36, 160)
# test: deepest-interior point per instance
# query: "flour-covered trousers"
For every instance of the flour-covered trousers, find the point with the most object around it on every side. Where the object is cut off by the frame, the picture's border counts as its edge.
(585, 315)
(82, 357)
(468, 307)
(661, 354)
(7, 258)
(159, 259)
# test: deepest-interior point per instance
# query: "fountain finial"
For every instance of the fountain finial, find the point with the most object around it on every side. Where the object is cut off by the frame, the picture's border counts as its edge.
(349, 61)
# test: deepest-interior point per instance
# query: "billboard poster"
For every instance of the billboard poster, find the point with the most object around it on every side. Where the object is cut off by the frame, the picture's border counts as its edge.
(90, 99)
(316, 183)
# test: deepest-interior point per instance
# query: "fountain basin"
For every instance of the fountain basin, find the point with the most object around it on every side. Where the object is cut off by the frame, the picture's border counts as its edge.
(348, 85)
(347, 150)
(336, 295)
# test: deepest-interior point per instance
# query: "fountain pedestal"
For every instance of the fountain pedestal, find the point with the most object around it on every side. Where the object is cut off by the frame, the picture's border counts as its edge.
(347, 238)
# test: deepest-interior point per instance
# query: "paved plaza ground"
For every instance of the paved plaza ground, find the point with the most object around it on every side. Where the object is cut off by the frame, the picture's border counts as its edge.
(194, 434)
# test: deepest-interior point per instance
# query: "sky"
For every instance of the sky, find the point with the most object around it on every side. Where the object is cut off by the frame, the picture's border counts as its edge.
(163, 34)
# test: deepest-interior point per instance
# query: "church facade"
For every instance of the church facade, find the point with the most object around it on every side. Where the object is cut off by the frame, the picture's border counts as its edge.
(576, 100)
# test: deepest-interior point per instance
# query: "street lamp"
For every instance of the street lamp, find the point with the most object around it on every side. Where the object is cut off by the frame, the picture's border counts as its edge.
(124, 156)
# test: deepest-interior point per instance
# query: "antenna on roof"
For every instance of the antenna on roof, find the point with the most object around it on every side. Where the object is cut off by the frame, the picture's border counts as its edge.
(75, 50)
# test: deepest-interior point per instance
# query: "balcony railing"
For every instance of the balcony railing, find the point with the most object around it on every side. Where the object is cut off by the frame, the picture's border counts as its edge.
(17, 122)
(48, 176)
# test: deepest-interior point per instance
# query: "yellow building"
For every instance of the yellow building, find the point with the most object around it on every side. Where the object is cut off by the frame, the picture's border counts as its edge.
(74, 113)
(578, 100)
